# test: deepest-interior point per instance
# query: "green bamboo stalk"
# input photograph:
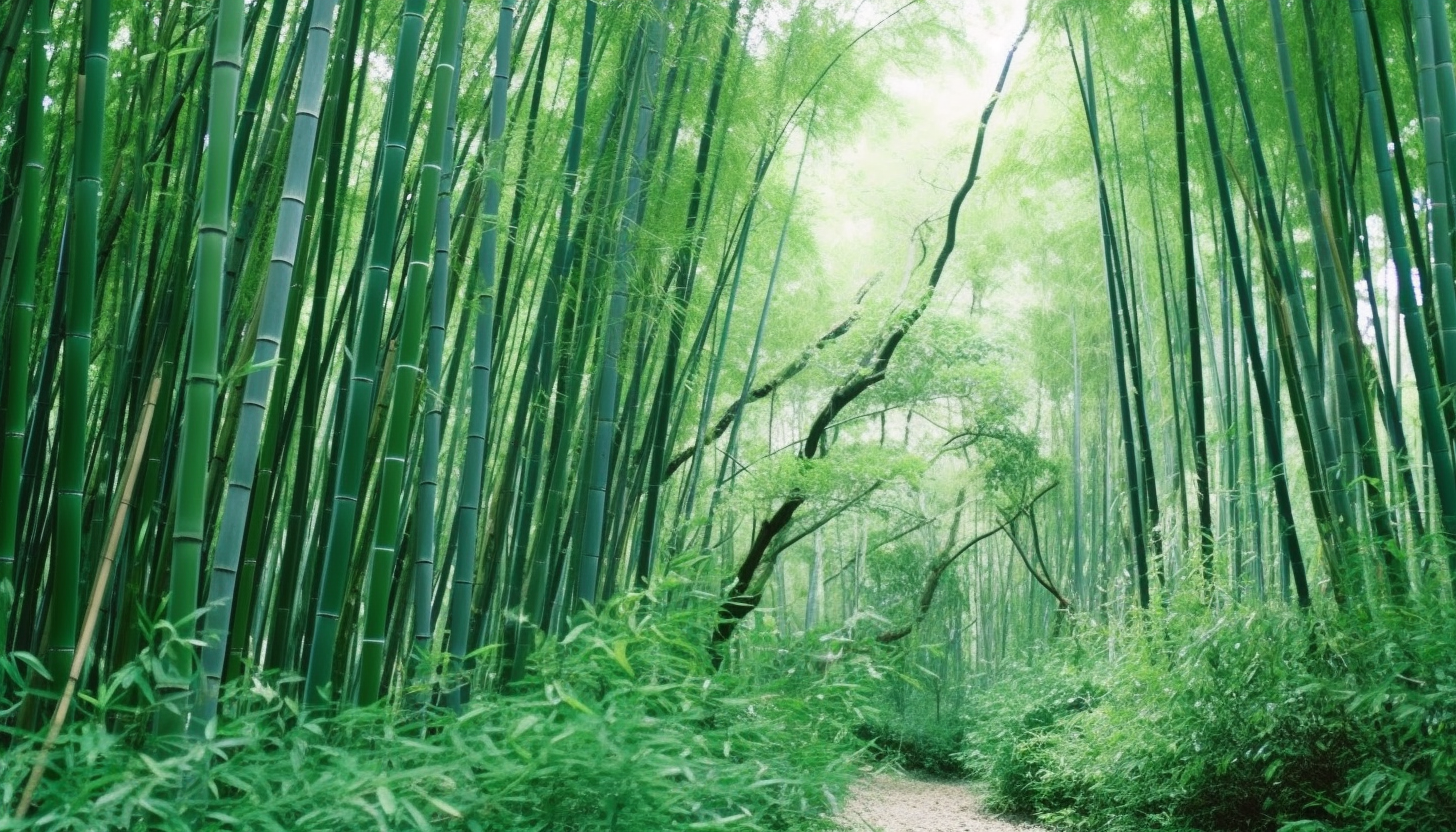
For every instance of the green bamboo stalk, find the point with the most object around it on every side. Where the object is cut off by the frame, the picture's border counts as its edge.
(1445, 84)
(503, 310)
(79, 314)
(1427, 388)
(1272, 443)
(607, 376)
(1196, 394)
(294, 577)
(1169, 307)
(262, 69)
(253, 199)
(1353, 417)
(503, 306)
(190, 527)
(262, 548)
(735, 412)
(1331, 277)
(677, 280)
(392, 493)
(16, 404)
(357, 403)
(266, 346)
(1437, 183)
(1390, 409)
(483, 309)
(597, 237)
(10, 43)
(1110, 265)
(1126, 289)
(427, 500)
(711, 385)
(541, 371)
(1328, 481)
(1415, 227)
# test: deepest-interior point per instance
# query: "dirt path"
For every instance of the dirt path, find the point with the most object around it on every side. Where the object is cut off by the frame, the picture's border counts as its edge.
(889, 803)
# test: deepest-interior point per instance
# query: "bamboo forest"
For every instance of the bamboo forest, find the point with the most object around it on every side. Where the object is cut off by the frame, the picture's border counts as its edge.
(643, 415)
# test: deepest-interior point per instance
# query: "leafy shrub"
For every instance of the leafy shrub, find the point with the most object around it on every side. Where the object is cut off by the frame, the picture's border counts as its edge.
(623, 728)
(928, 747)
(1022, 706)
(1248, 720)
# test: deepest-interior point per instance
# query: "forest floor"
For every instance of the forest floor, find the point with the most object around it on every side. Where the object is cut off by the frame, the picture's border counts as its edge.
(895, 803)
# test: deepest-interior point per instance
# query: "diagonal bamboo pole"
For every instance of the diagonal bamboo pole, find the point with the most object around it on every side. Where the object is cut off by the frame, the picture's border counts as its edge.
(98, 591)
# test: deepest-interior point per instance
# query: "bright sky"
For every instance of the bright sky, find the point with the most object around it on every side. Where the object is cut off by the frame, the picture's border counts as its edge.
(869, 193)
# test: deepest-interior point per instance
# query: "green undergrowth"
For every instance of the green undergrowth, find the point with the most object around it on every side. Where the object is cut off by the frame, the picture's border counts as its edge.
(931, 748)
(624, 727)
(919, 722)
(1245, 719)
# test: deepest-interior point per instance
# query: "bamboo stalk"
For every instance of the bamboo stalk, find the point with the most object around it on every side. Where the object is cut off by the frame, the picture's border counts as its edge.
(98, 591)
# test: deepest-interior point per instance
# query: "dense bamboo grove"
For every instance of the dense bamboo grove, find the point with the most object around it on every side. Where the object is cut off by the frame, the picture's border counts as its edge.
(436, 300)
(1277, 343)
(1253, 404)
(373, 353)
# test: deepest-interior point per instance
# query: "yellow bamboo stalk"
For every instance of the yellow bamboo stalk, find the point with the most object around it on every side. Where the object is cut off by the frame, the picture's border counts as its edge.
(98, 590)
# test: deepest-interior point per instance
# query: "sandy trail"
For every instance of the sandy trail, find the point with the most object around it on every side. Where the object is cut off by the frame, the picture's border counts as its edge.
(888, 803)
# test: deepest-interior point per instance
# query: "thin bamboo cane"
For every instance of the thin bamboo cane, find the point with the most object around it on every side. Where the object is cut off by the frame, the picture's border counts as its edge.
(471, 481)
(98, 591)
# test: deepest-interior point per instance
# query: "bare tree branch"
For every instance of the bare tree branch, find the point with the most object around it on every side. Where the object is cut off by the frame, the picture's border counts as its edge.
(763, 391)
(944, 562)
(742, 599)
